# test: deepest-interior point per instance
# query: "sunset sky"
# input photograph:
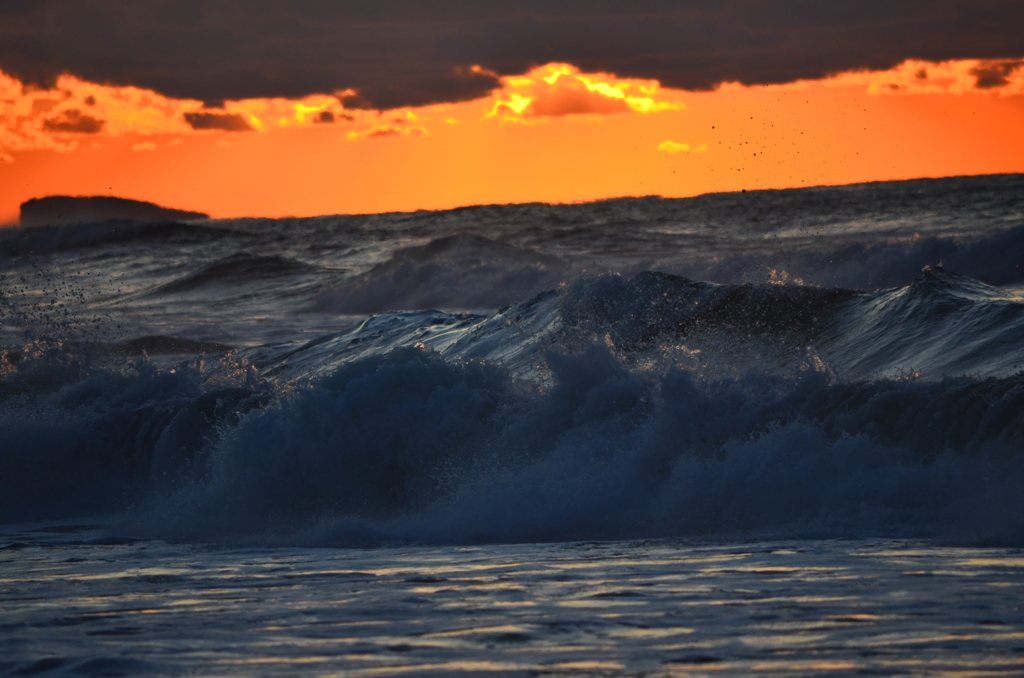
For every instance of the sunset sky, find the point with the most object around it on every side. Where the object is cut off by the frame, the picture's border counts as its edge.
(323, 111)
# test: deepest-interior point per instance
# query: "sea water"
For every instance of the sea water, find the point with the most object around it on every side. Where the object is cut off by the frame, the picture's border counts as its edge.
(75, 604)
(774, 432)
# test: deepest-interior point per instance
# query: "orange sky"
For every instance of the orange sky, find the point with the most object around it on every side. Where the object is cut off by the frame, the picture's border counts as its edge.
(553, 134)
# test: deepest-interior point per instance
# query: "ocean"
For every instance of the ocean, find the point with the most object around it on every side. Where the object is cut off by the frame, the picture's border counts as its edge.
(758, 433)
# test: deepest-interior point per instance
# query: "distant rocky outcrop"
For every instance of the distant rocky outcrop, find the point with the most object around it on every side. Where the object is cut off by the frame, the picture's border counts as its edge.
(60, 210)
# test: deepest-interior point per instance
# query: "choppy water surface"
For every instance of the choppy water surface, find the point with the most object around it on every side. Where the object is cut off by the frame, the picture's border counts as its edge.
(77, 607)
(777, 431)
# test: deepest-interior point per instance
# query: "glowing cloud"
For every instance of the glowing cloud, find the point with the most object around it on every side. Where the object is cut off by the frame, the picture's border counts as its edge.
(58, 118)
(557, 90)
(672, 147)
(676, 147)
(994, 77)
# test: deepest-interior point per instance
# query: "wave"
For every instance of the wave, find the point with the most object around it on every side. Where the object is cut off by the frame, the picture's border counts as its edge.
(237, 269)
(866, 236)
(942, 325)
(995, 260)
(606, 453)
(461, 271)
(612, 407)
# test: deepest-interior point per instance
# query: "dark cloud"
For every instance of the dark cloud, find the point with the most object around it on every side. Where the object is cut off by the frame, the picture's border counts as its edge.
(324, 117)
(74, 122)
(382, 132)
(995, 75)
(412, 52)
(228, 122)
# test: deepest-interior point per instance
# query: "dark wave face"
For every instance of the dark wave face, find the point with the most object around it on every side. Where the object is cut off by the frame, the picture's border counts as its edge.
(544, 373)
(238, 269)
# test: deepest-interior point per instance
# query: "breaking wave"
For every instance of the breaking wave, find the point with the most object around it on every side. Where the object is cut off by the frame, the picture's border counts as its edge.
(611, 407)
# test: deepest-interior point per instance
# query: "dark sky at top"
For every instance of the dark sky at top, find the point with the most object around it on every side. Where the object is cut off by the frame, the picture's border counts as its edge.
(412, 52)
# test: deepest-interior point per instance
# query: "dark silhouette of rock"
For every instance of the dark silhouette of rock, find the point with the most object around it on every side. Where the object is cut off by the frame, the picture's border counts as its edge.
(59, 210)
